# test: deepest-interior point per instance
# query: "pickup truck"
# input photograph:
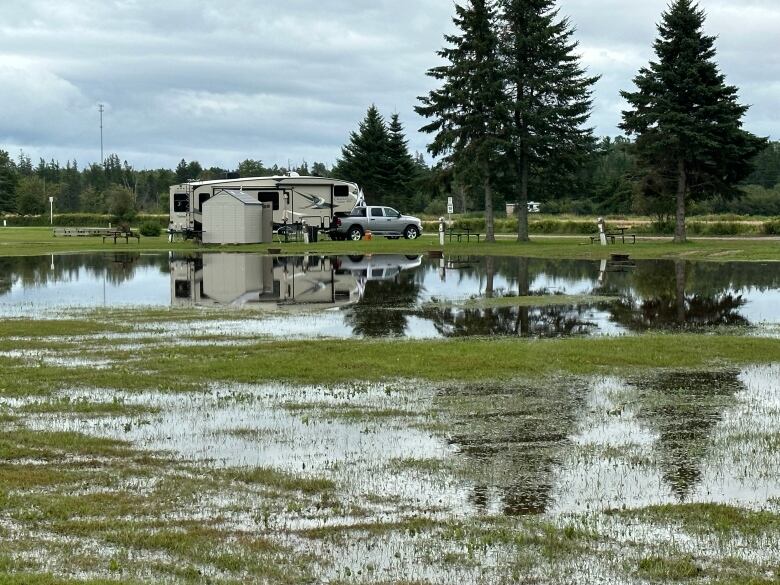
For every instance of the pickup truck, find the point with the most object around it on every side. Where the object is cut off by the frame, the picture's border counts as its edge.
(381, 221)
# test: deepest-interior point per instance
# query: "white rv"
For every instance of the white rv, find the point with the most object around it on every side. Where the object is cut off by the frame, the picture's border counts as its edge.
(295, 199)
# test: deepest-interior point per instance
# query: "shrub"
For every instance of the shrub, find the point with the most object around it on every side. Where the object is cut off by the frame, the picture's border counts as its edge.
(150, 229)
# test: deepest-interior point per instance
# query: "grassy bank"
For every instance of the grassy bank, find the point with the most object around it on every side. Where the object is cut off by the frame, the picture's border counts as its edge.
(39, 241)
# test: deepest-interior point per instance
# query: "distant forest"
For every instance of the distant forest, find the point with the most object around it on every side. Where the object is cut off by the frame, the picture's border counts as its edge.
(609, 182)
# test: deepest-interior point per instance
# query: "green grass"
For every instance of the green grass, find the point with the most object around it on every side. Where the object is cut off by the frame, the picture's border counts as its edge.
(677, 568)
(38, 241)
(472, 359)
(706, 519)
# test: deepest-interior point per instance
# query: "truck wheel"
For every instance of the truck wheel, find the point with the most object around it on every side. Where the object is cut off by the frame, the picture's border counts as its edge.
(355, 233)
(411, 233)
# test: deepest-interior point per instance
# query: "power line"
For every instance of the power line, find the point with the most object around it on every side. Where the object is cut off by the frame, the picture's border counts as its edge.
(100, 109)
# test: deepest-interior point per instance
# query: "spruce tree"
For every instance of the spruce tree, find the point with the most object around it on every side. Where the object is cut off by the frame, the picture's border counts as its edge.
(688, 122)
(402, 167)
(468, 110)
(8, 181)
(549, 95)
(364, 160)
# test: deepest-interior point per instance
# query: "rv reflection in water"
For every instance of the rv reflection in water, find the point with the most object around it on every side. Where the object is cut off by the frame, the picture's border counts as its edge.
(252, 280)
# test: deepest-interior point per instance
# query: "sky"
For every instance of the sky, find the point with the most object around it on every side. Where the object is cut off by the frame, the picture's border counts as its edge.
(222, 81)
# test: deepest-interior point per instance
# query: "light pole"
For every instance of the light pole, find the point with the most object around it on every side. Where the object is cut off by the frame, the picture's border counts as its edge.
(51, 210)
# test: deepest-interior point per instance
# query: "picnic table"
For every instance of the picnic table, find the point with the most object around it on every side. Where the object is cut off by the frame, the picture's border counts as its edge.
(612, 234)
(119, 234)
(463, 233)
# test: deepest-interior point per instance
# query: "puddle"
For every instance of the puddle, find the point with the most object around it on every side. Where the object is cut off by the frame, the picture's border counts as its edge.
(402, 296)
(567, 447)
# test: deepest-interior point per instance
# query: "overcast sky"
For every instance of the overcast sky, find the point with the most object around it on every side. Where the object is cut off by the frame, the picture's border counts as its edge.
(221, 81)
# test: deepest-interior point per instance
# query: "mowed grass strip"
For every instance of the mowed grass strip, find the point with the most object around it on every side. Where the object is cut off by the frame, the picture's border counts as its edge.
(39, 241)
(327, 361)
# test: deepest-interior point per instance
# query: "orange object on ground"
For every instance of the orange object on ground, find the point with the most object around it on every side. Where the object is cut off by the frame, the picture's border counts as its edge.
(368, 235)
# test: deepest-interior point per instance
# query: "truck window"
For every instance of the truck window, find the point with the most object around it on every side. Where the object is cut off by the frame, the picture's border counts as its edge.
(359, 212)
(390, 212)
(376, 212)
(181, 202)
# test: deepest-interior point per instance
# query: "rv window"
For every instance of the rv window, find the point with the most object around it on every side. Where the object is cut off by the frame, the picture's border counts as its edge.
(269, 197)
(376, 212)
(341, 190)
(181, 202)
(202, 198)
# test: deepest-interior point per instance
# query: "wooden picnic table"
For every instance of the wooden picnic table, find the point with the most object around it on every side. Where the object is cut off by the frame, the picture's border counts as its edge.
(465, 232)
(118, 234)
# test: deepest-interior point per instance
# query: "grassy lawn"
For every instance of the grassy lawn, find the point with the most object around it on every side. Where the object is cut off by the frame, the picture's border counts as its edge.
(38, 241)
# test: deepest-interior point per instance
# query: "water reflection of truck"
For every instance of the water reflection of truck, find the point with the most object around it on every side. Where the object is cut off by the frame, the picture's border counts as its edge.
(379, 267)
(254, 281)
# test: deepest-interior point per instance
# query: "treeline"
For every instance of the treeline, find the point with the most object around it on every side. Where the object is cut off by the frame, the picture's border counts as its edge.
(114, 187)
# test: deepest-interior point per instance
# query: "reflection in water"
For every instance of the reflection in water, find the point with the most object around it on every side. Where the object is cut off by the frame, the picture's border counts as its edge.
(512, 438)
(684, 408)
(397, 295)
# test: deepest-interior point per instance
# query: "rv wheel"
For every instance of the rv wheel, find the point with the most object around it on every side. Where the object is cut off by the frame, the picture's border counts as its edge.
(355, 233)
(411, 233)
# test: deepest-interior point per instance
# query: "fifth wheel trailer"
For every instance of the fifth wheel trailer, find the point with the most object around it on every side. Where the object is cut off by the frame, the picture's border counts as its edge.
(294, 199)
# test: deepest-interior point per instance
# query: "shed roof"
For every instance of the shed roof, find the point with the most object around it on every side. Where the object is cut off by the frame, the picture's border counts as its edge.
(244, 198)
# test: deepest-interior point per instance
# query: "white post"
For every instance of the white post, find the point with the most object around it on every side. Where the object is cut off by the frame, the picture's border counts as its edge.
(450, 209)
(305, 232)
(51, 210)
(441, 231)
(602, 233)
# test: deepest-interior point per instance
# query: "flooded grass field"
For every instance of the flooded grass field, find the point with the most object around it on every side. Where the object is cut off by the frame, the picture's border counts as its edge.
(243, 419)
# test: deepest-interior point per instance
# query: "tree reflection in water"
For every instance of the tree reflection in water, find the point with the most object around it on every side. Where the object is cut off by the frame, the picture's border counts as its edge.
(664, 302)
(512, 437)
(684, 408)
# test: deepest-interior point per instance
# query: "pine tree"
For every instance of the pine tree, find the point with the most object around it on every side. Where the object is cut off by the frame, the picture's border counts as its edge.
(365, 159)
(8, 182)
(688, 122)
(550, 96)
(403, 168)
(468, 110)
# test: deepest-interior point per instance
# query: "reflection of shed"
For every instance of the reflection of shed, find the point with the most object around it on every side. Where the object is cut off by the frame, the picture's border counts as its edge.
(232, 217)
(238, 278)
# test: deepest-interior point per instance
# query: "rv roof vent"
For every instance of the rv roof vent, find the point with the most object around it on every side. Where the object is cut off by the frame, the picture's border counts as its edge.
(293, 174)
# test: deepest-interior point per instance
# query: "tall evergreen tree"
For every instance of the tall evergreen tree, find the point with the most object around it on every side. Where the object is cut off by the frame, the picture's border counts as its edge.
(365, 159)
(688, 122)
(8, 181)
(469, 111)
(549, 93)
(403, 168)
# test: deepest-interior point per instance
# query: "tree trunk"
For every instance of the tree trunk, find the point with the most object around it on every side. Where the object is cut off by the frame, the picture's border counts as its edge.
(462, 194)
(490, 235)
(682, 189)
(522, 200)
(522, 324)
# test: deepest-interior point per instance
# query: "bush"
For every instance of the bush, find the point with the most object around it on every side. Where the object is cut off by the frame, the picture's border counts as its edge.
(150, 229)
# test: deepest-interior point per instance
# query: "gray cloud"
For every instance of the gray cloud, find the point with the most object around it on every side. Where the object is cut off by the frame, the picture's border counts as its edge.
(222, 81)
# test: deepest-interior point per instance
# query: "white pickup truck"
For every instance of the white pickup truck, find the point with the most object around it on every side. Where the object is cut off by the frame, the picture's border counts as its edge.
(381, 221)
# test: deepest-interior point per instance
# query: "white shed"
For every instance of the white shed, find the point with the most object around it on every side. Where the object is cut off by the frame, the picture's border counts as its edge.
(232, 217)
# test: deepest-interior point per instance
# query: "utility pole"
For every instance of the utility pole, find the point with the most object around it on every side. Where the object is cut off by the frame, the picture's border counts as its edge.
(100, 109)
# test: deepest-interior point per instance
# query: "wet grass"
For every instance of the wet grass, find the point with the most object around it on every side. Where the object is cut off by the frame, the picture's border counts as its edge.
(707, 518)
(274, 478)
(38, 241)
(678, 568)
